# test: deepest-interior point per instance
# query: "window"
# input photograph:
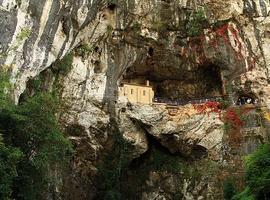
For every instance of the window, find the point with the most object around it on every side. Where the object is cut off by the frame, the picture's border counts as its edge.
(131, 91)
(144, 93)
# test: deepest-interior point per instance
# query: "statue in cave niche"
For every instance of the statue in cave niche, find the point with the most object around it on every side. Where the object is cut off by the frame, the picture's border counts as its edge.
(243, 100)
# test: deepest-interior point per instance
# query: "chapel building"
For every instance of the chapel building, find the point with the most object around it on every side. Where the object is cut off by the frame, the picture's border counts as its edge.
(137, 93)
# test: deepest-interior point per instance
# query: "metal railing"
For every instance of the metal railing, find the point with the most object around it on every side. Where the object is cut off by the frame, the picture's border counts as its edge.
(184, 102)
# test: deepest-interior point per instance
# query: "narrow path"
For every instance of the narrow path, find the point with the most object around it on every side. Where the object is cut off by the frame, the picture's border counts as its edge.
(184, 102)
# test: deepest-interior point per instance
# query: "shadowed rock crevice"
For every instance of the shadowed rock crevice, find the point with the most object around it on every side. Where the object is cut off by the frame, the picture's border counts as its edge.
(158, 170)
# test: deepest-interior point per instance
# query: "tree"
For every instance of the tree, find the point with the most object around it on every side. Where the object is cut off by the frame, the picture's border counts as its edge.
(257, 175)
(33, 146)
(9, 155)
(258, 171)
(34, 129)
(9, 158)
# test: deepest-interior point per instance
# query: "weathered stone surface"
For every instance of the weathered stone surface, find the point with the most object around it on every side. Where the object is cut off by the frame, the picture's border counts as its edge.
(40, 32)
(132, 132)
(184, 133)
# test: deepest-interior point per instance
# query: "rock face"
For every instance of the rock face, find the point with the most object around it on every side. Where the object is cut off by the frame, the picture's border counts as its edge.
(187, 49)
(186, 132)
(39, 32)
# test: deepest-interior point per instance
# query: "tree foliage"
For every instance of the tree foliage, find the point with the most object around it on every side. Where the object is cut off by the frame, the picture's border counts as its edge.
(33, 146)
(257, 175)
(39, 137)
(228, 190)
(246, 194)
(9, 158)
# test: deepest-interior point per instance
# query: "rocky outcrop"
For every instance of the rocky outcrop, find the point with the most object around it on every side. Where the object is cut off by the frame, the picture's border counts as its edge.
(187, 132)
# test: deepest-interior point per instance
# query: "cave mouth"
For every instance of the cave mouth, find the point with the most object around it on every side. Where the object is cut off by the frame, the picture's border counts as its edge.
(247, 98)
(204, 82)
(111, 6)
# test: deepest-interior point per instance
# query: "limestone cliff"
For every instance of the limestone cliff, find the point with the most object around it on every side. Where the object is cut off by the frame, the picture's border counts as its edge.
(188, 49)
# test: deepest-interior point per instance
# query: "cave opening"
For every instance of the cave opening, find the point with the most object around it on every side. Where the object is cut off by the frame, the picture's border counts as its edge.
(151, 51)
(247, 98)
(199, 83)
(111, 6)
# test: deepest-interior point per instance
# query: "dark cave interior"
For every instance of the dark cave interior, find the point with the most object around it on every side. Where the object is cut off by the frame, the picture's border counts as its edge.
(198, 83)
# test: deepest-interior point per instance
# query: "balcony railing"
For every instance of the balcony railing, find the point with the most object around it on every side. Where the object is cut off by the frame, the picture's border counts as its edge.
(184, 102)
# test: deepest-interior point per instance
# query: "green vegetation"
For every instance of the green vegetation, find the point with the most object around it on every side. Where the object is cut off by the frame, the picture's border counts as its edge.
(245, 195)
(83, 50)
(224, 104)
(110, 172)
(25, 33)
(162, 161)
(3, 55)
(196, 23)
(228, 190)
(120, 178)
(114, 175)
(64, 65)
(257, 175)
(36, 84)
(20, 37)
(9, 158)
(227, 127)
(33, 146)
(137, 27)
(229, 89)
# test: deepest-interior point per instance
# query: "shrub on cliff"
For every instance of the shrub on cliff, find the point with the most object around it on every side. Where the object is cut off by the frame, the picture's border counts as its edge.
(196, 23)
(228, 190)
(9, 158)
(257, 175)
(244, 195)
(64, 65)
(258, 171)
